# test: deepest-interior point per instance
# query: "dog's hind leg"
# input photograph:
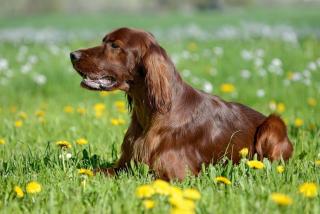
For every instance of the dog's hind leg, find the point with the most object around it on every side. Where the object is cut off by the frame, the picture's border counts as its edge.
(271, 139)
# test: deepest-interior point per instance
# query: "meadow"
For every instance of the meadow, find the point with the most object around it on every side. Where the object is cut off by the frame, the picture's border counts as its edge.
(268, 59)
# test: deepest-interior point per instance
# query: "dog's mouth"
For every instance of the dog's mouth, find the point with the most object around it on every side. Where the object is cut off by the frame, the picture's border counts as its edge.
(105, 83)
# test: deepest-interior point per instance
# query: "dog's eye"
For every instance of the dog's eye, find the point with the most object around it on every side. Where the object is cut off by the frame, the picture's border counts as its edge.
(114, 45)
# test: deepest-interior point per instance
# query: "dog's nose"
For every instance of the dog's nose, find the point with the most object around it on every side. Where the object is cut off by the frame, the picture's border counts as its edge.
(75, 56)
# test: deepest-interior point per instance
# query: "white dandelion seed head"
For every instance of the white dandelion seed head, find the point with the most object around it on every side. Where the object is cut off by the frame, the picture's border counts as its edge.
(262, 72)
(289, 36)
(296, 76)
(312, 66)
(261, 93)
(258, 62)
(260, 53)
(276, 62)
(306, 73)
(40, 79)
(4, 65)
(246, 55)
(186, 54)
(33, 59)
(218, 51)
(207, 87)
(245, 74)
(26, 68)
(68, 155)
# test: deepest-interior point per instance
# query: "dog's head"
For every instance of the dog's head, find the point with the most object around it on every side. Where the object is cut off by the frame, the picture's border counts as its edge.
(125, 57)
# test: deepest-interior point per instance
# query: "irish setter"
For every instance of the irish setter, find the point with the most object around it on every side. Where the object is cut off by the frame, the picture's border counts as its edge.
(174, 128)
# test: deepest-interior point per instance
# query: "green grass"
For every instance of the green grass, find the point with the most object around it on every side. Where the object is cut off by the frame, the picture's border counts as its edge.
(30, 152)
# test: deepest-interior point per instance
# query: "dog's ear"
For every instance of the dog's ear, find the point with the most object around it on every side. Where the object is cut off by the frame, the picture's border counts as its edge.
(158, 70)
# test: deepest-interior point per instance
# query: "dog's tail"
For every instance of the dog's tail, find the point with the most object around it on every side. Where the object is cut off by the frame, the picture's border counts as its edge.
(271, 139)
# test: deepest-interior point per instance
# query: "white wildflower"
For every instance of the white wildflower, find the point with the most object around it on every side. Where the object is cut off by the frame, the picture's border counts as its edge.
(246, 55)
(261, 93)
(245, 74)
(312, 66)
(26, 68)
(40, 79)
(218, 51)
(207, 87)
(3, 64)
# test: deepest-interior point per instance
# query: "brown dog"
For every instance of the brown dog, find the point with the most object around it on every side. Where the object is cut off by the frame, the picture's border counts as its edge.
(174, 128)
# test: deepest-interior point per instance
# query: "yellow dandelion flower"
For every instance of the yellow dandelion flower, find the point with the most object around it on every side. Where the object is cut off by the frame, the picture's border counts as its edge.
(104, 93)
(161, 187)
(81, 110)
(99, 107)
(312, 102)
(182, 203)
(23, 115)
(175, 191)
(281, 108)
(221, 179)
(2, 141)
(255, 164)
(33, 187)
(317, 162)
(40, 113)
(18, 123)
(298, 122)
(63, 144)
(192, 194)
(148, 204)
(281, 199)
(227, 88)
(145, 191)
(87, 172)
(120, 104)
(244, 152)
(280, 169)
(290, 75)
(181, 211)
(68, 109)
(309, 190)
(117, 122)
(114, 122)
(81, 141)
(98, 114)
(18, 191)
